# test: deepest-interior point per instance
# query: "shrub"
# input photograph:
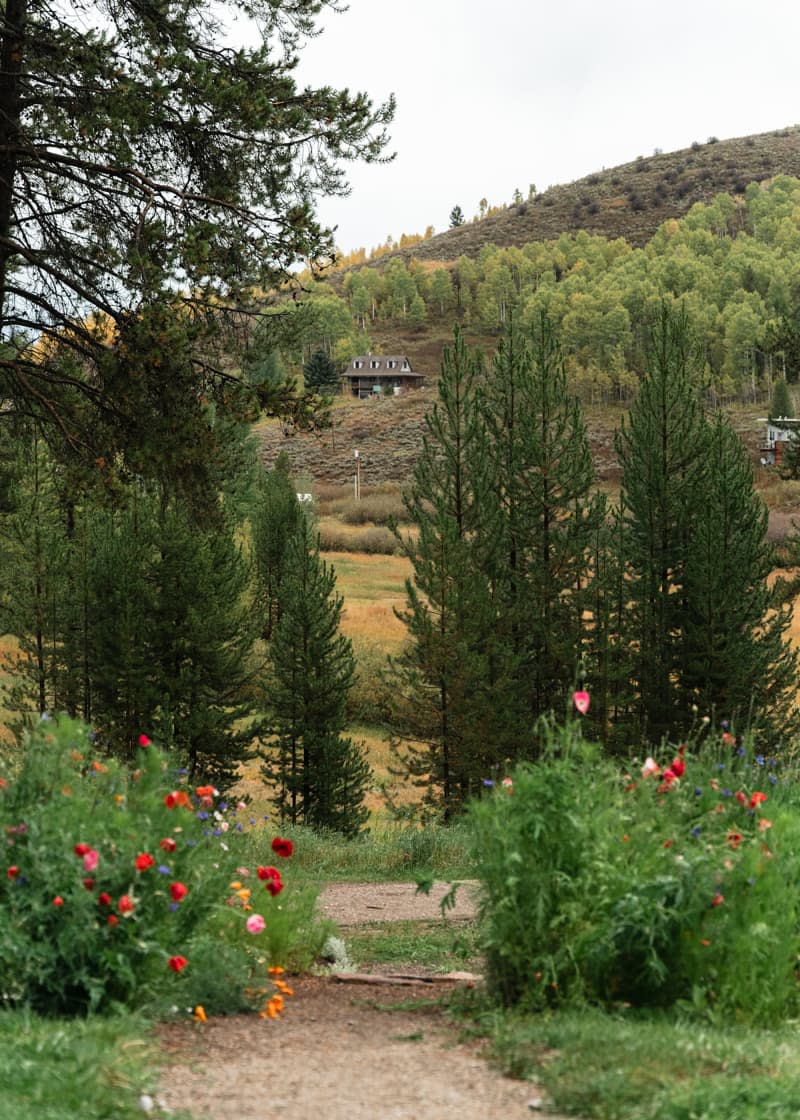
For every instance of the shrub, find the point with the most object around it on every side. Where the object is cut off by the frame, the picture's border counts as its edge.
(655, 889)
(117, 885)
(376, 539)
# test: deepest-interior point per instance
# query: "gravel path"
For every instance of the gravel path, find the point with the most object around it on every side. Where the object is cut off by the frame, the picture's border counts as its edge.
(340, 1051)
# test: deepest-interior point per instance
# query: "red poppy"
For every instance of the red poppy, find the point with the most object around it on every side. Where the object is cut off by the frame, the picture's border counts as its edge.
(734, 839)
(668, 843)
(13, 871)
(143, 861)
(104, 899)
(178, 891)
(205, 791)
(112, 919)
(89, 884)
(144, 741)
(81, 849)
(168, 844)
(58, 900)
(125, 905)
(274, 886)
(268, 873)
(741, 797)
(177, 964)
(678, 767)
(757, 799)
(717, 900)
(282, 847)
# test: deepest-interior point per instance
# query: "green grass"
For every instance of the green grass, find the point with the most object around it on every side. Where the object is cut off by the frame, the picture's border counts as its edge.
(439, 946)
(626, 1067)
(383, 855)
(53, 1069)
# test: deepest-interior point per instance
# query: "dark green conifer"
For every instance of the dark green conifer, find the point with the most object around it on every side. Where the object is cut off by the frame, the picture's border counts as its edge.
(320, 777)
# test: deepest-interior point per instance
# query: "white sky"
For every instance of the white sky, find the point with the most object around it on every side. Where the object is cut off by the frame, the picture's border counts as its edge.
(497, 94)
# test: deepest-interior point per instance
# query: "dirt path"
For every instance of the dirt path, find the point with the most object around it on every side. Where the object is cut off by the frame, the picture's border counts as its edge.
(340, 1052)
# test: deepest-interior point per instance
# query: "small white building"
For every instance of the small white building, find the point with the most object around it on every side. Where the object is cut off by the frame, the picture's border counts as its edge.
(779, 432)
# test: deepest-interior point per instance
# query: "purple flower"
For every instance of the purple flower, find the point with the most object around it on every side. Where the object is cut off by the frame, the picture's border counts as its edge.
(726, 793)
(163, 869)
(759, 760)
(696, 831)
(202, 815)
(698, 791)
(488, 782)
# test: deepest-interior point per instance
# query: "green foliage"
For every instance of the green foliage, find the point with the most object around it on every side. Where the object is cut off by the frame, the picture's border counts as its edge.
(396, 852)
(320, 374)
(321, 776)
(200, 195)
(456, 217)
(113, 879)
(598, 1065)
(64, 1070)
(274, 517)
(781, 403)
(672, 890)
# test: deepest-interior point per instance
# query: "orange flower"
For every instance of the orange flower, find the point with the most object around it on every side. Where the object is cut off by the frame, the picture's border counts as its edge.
(200, 1014)
(276, 970)
(764, 824)
(757, 799)
(206, 791)
(734, 839)
(98, 767)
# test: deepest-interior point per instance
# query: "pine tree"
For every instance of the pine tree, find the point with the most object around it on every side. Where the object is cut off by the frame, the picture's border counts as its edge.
(321, 777)
(320, 374)
(274, 517)
(146, 161)
(735, 655)
(781, 405)
(660, 451)
(456, 217)
(546, 516)
(447, 739)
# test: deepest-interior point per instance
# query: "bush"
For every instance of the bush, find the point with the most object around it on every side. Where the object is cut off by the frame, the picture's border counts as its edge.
(671, 888)
(374, 540)
(122, 888)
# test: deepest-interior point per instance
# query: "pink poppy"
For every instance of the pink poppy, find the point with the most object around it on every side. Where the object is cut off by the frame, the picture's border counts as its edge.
(91, 860)
(255, 923)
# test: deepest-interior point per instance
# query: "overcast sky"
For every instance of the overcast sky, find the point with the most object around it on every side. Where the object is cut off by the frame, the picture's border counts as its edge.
(493, 95)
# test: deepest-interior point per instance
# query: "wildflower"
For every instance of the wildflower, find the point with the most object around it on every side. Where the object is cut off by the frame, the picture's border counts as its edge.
(81, 849)
(178, 891)
(759, 760)
(255, 923)
(98, 767)
(112, 920)
(698, 792)
(728, 739)
(650, 768)
(764, 824)
(274, 886)
(282, 847)
(168, 844)
(726, 793)
(696, 831)
(200, 1014)
(704, 941)
(757, 799)
(741, 797)
(88, 884)
(143, 741)
(125, 904)
(581, 701)
(104, 899)
(734, 839)
(143, 861)
(668, 843)
(91, 860)
(276, 970)
(177, 797)
(244, 894)
(678, 767)
(58, 900)
(13, 871)
(177, 964)
(717, 900)
(206, 791)
(265, 873)
(3, 783)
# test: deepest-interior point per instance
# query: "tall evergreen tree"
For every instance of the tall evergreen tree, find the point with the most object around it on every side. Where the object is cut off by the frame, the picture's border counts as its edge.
(660, 450)
(320, 776)
(735, 655)
(546, 517)
(145, 160)
(447, 737)
(274, 517)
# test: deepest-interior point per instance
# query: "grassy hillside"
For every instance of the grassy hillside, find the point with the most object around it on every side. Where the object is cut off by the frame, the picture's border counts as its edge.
(631, 200)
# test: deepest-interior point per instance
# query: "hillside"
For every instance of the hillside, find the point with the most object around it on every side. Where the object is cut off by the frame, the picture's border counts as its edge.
(630, 201)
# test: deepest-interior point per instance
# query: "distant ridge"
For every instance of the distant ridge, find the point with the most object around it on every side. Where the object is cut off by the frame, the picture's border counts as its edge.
(630, 201)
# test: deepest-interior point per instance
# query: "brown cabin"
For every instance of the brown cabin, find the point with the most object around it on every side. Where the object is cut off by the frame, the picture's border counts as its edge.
(369, 375)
